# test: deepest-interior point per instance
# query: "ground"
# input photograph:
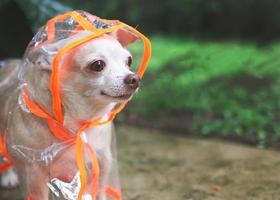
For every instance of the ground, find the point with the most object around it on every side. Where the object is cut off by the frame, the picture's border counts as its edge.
(161, 166)
(157, 166)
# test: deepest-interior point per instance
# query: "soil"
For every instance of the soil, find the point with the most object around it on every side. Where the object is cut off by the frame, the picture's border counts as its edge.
(156, 166)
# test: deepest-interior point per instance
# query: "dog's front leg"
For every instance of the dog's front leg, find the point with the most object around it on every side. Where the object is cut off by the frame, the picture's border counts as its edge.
(105, 162)
(36, 182)
(9, 178)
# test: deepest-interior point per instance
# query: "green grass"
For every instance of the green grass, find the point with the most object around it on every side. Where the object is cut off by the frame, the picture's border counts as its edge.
(232, 88)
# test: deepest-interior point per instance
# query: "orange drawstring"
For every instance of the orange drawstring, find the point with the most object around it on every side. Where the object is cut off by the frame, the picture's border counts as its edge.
(113, 193)
(39, 112)
(8, 163)
(58, 130)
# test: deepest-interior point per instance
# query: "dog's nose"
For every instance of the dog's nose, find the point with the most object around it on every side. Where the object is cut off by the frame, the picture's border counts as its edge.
(132, 80)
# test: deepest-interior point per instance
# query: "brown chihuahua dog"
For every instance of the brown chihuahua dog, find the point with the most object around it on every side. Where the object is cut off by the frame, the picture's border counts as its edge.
(97, 77)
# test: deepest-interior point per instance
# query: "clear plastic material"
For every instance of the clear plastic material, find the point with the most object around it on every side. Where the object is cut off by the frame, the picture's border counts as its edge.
(53, 125)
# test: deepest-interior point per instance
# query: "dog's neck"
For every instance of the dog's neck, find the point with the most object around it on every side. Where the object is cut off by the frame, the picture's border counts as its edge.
(76, 110)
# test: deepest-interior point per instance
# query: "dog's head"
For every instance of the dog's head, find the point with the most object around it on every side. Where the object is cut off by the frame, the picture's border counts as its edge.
(100, 70)
(95, 75)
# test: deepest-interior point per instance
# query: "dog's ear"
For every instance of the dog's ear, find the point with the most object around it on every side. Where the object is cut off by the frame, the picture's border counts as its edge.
(43, 56)
(124, 36)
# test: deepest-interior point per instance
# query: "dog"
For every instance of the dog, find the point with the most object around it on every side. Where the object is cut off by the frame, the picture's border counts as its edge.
(96, 78)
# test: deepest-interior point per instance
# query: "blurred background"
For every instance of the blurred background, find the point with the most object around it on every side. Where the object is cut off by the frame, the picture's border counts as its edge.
(207, 116)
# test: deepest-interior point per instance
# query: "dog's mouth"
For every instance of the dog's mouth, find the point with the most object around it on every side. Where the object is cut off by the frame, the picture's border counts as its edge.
(119, 97)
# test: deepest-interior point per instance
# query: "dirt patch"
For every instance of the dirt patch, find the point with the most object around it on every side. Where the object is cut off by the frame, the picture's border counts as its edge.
(165, 167)
(155, 166)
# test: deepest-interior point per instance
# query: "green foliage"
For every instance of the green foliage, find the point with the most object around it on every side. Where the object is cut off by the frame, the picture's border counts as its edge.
(39, 11)
(254, 19)
(232, 89)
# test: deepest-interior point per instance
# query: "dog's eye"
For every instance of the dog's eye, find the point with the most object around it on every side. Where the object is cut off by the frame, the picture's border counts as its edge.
(129, 61)
(96, 66)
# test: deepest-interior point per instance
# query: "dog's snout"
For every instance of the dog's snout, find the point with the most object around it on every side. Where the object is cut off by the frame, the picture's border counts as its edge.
(132, 80)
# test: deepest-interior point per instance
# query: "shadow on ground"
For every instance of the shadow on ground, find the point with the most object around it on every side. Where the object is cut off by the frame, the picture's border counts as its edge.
(157, 166)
